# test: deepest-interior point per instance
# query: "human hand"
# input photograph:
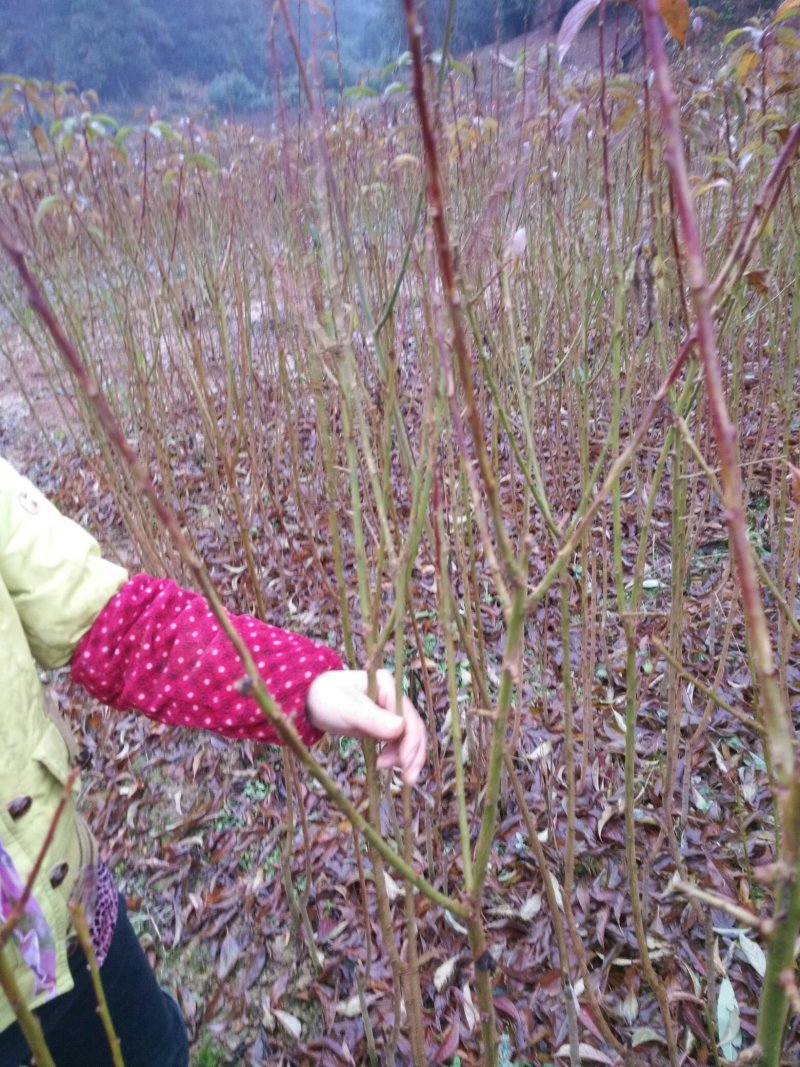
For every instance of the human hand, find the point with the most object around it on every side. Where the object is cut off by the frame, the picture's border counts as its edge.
(337, 703)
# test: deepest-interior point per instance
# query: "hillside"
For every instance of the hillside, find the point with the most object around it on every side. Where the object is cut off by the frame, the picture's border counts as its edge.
(232, 55)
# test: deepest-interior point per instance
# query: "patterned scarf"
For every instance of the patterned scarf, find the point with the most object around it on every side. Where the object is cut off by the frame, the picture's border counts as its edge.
(32, 935)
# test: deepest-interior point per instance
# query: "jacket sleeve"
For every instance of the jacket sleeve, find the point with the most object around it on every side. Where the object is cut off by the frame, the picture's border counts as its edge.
(157, 648)
(53, 570)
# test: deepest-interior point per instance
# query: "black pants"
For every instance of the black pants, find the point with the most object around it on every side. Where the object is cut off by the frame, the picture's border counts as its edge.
(147, 1021)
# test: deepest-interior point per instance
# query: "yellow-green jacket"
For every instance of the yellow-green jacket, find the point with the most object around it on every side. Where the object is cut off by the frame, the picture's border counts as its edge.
(53, 584)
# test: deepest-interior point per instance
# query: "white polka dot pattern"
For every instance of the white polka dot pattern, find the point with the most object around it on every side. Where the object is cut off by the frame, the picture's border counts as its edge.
(156, 648)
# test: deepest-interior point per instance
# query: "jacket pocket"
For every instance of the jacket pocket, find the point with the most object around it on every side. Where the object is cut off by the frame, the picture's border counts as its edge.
(52, 753)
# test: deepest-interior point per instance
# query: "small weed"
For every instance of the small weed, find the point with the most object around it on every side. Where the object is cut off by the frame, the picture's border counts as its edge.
(271, 865)
(255, 789)
(348, 746)
(246, 861)
(208, 1055)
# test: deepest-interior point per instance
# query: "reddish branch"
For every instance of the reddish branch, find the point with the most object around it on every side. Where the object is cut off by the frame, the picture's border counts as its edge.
(777, 720)
(761, 210)
(780, 733)
(452, 292)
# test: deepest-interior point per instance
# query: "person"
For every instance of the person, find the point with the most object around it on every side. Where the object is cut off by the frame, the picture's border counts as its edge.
(133, 642)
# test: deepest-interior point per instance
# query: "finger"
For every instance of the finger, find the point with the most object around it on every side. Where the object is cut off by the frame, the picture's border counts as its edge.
(389, 756)
(408, 750)
(367, 719)
(413, 742)
(412, 764)
(407, 753)
(390, 759)
(409, 763)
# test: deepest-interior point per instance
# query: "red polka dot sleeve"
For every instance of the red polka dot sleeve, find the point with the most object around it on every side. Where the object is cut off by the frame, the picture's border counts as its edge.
(157, 648)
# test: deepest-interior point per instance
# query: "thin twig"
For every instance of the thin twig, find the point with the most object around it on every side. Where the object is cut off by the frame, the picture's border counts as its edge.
(85, 939)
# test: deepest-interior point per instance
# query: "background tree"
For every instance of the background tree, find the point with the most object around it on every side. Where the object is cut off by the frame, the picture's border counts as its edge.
(116, 49)
(123, 49)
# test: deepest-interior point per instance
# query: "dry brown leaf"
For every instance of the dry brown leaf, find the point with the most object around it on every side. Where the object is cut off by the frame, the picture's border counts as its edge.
(675, 14)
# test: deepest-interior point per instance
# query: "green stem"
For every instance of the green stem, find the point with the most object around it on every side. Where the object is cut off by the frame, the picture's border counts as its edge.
(28, 1022)
(85, 939)
(497, 747)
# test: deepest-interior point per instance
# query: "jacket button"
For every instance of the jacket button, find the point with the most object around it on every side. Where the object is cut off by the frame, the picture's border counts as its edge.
(18, 806)
(58, 874)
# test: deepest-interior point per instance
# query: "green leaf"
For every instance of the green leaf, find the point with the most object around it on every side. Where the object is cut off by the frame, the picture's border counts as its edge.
(95, 129)
(402, 60)
(162, 129)
(106, 120)
(46, 205)
(462, 68)
(700, 802)
(728, 1022)
(202, 160)
(733, 34)
(358, 92)
(787, 8)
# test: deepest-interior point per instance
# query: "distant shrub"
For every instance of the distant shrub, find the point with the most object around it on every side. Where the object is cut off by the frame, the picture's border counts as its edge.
(233, 91)
(517, 16)
(352, 72)
(290, 94)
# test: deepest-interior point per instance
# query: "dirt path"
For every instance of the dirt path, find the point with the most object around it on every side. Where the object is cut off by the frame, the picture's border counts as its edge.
(29, 426)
